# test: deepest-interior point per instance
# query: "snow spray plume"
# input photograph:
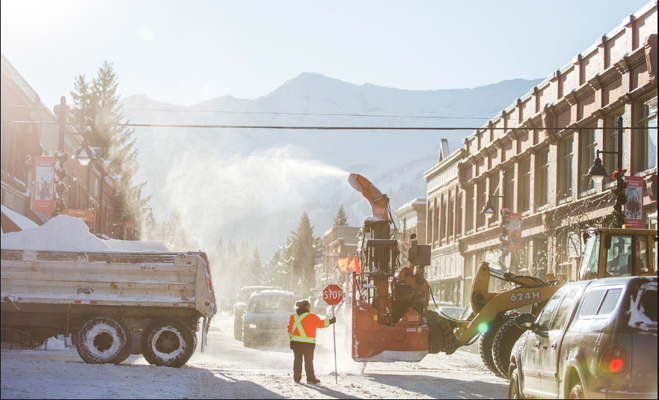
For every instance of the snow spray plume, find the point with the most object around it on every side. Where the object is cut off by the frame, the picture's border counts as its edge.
(224, 192)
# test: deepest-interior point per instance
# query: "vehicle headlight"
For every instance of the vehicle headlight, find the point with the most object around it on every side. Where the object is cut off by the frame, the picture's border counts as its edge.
(250, 326)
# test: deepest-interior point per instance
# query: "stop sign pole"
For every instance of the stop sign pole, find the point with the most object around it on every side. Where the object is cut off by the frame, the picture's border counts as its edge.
(333, 294)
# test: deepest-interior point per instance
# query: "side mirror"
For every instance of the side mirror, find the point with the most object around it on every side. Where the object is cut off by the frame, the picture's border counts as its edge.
(525, 321)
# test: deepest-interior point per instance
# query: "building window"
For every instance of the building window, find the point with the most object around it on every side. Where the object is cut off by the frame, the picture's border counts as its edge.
(458, 222)
(435, 224)
(442, 226)
(646, 139)
(610, 161)
(540, 258)
(524, 199)
(469, 217)
(451, 213)
(509, 187)
(430, 219)
(522, 259)
(494, 190)
(588, 142)
(566, 158)
(96, 187)
(481, 188)
(542, 179)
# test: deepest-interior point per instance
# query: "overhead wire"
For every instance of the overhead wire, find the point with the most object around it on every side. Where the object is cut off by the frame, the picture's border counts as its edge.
(385, 128)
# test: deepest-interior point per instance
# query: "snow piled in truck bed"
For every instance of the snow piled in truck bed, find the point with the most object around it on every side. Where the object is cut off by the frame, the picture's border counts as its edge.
(62, 233)
(66, 233)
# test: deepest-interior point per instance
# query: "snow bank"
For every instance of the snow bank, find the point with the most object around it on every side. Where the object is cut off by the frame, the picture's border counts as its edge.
(21, 221)
(62, 233)
(132, 245)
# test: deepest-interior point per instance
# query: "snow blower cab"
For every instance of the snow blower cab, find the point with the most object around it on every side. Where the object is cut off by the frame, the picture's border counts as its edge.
(389, 301)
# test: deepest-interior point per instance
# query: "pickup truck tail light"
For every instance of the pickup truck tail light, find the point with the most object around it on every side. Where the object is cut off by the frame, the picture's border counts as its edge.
(613, 361)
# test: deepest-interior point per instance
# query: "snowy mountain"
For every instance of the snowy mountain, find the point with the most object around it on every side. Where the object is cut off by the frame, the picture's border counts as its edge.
(254, 184)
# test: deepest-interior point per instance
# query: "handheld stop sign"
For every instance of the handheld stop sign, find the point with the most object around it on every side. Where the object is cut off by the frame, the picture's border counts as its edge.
(333, 294)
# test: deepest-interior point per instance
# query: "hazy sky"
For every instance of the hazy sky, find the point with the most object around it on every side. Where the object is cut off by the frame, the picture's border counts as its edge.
(184, 52)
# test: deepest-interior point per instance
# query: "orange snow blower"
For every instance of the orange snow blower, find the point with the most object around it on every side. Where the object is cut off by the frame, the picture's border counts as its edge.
(388, 302)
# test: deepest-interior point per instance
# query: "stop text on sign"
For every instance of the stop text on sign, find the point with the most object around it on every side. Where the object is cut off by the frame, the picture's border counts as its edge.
(333, 294)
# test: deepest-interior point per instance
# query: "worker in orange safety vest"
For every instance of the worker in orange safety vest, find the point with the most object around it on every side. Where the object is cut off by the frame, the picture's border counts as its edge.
(302, 331)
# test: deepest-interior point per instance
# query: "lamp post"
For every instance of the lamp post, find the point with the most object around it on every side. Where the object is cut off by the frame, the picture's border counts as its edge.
(489, 211)
(597, 173)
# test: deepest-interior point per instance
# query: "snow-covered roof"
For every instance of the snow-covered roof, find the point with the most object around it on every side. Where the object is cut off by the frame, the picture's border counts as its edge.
(21, 221)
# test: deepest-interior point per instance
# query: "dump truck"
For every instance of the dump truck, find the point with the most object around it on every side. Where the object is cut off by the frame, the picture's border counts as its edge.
(390, 316)
(113, 304)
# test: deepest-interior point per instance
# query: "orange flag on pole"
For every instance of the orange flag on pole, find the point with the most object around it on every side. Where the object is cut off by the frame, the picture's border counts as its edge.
(343, 263)
(354, 265)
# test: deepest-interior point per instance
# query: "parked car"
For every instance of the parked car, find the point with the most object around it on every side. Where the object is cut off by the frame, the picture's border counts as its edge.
(593, 339)
(266, 317)
(241, 303)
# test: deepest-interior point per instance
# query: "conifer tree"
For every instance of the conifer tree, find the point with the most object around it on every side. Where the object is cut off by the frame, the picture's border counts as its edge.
(218, 263)
(99, 117)
(306, 250)
(232, 271)
(256, 270)
(341, 218)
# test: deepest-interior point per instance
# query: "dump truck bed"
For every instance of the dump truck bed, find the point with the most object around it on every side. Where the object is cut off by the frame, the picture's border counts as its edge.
(113, 278)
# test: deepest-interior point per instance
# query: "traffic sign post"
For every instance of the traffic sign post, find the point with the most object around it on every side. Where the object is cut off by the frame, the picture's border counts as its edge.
(333, 294)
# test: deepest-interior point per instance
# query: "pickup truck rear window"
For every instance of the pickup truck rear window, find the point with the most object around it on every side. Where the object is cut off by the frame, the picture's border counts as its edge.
(601, 302)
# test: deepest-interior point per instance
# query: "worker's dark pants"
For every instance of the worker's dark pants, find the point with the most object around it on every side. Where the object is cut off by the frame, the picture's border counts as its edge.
(303, 350)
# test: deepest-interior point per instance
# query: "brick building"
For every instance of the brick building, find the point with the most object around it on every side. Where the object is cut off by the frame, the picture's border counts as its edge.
(445, 208)
(38, 133)
(338, 242)
(536, 153)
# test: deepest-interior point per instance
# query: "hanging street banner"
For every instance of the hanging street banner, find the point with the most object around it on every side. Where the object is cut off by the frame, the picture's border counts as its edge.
(44, 182)
(514, 232)
(634, 205)
(85, 215)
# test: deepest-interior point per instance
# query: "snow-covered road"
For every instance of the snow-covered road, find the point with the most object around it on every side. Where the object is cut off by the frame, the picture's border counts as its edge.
(228, 370)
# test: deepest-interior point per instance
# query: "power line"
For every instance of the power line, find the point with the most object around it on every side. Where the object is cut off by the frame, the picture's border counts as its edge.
(332, 128)
(305, 114)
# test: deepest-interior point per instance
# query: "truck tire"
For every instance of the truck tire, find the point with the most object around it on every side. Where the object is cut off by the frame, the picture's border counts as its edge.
(238, 327)
(168, 342)
(485, 343)
(503, 344)
(103, 340)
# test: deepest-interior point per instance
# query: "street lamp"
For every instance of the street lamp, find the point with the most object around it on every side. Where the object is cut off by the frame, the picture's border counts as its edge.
(597, 173)
(85, 154)
(488, 210)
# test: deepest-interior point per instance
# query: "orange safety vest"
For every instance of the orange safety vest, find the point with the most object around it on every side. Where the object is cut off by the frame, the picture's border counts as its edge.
(302, 327)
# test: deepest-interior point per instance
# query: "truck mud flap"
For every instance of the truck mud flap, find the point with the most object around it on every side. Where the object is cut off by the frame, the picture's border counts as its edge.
(441, 338)
(204, 333)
